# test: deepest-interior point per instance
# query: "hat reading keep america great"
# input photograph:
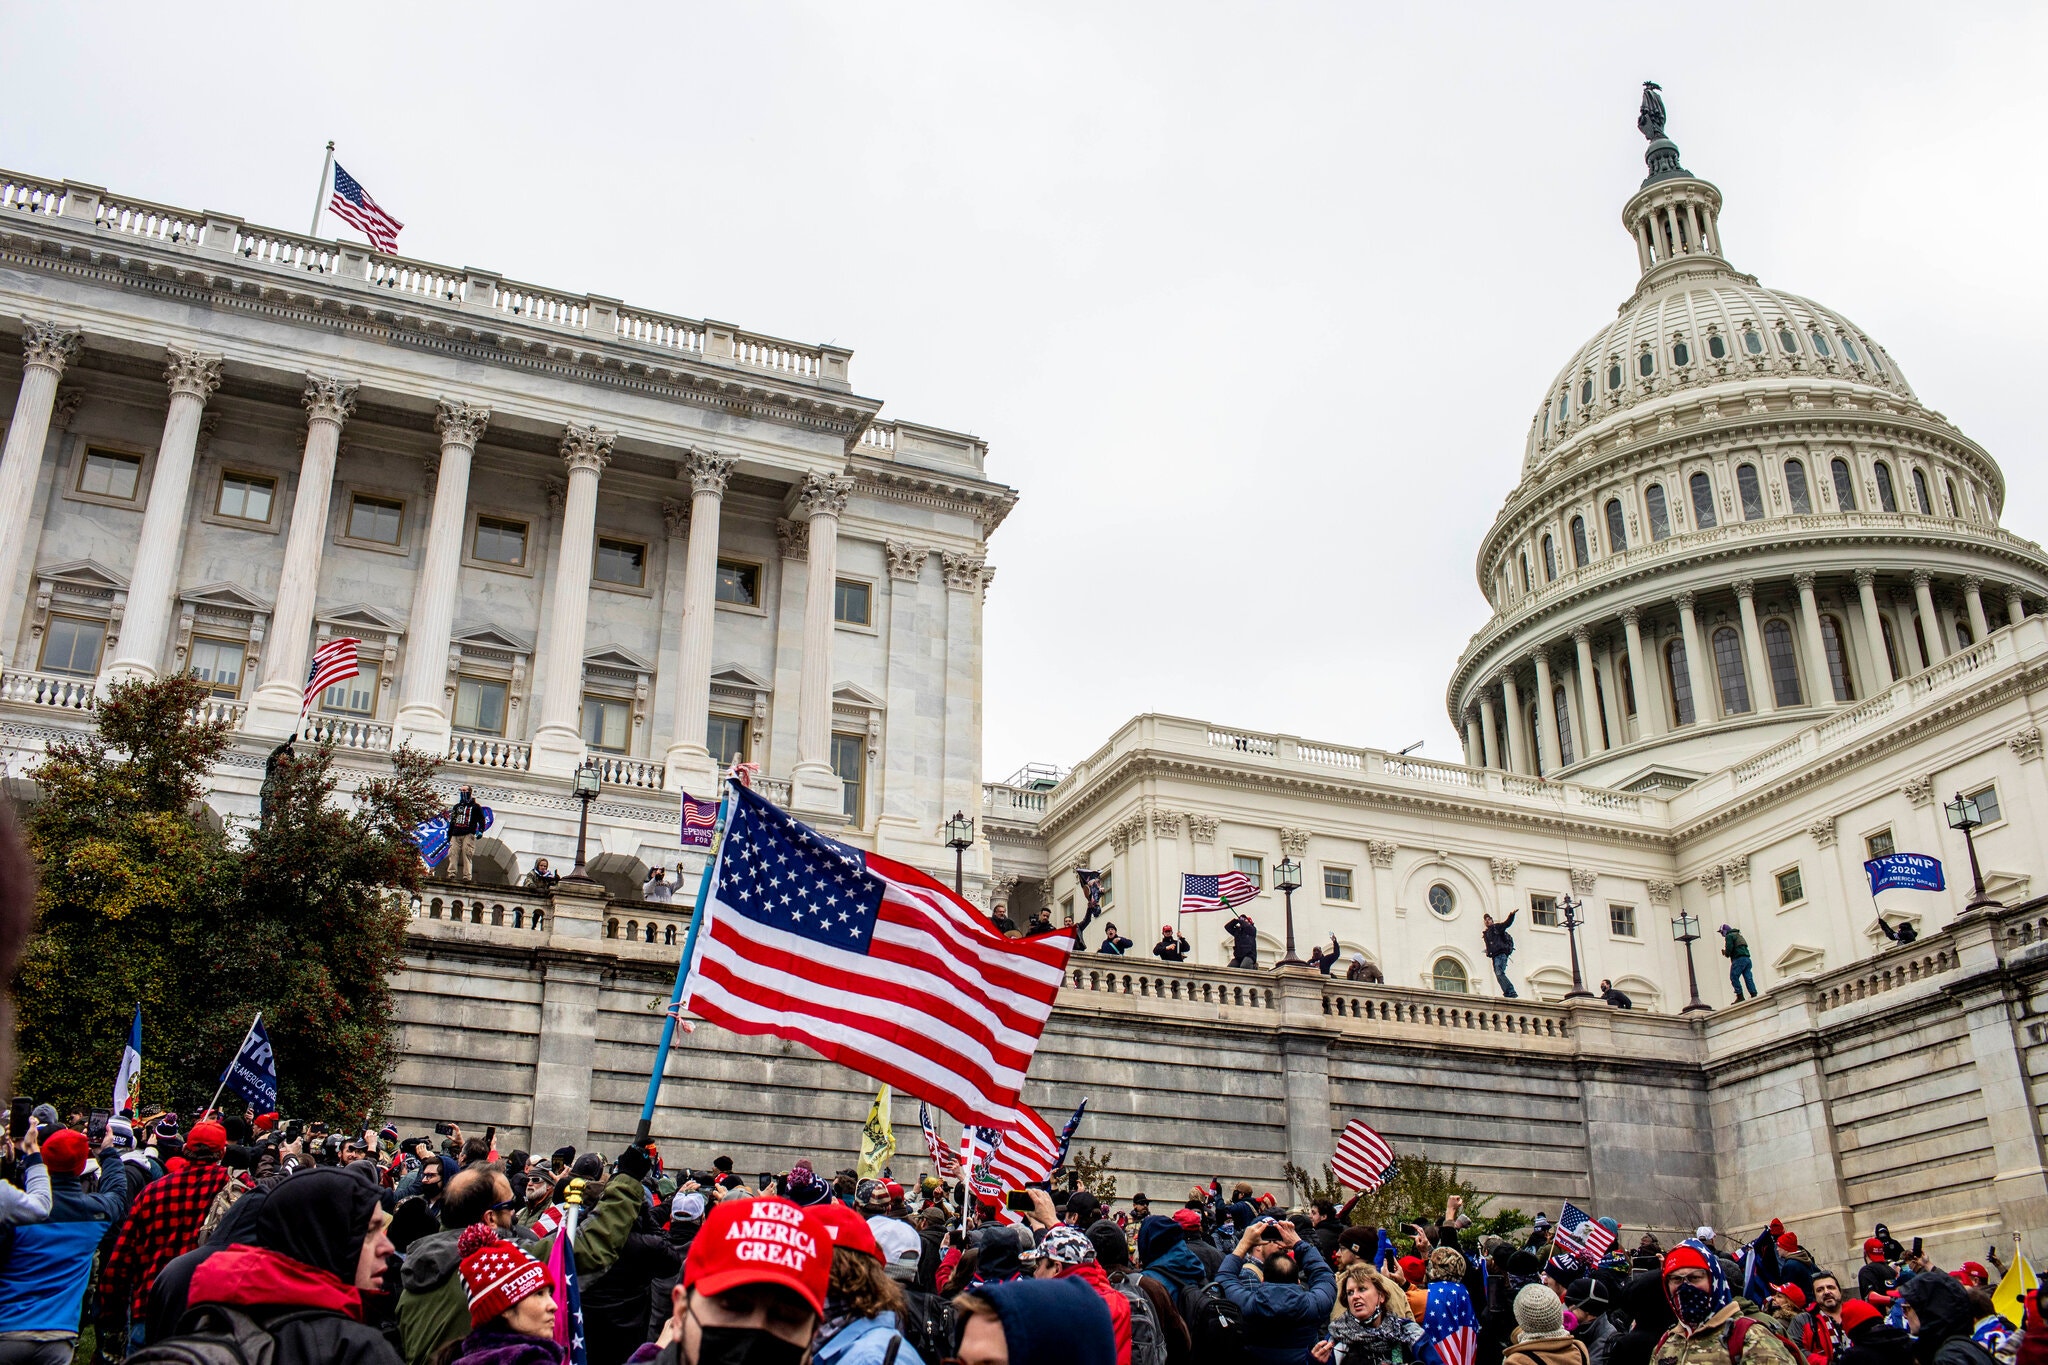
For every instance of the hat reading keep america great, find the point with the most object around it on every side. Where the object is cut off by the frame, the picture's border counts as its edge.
(761, 1241)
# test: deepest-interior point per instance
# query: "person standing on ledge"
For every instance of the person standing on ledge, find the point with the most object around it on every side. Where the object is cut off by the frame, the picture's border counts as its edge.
(1244, 942)
(465, 822)
(1500, 946)
(1172, 946)
(1113, 943)
(1741, 972)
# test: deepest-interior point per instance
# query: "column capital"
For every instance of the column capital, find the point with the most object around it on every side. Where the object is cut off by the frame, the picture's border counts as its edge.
(329, 398)
(709, 472)
(1973, 584)
(906, 561)
(48, 344)
(190, 372)
(585, 447)
(1582, 635)
(1631, 616)
(675, 517)
(1922, 578)
(963, 572)
(1504, 679)
(793, 538)
(1745, 588)
(1865, 578)
(460, 424)
(1803, 581)
(1684, 601)
(823, 495)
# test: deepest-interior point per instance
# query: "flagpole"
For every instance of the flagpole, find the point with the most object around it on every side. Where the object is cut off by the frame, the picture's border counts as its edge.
(320, 197)
(675, 999)
(231, 1061)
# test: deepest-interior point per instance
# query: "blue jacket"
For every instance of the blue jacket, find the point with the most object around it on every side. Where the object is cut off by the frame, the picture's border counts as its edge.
(865, 1341)
(44, 1266)
(1281, 1321)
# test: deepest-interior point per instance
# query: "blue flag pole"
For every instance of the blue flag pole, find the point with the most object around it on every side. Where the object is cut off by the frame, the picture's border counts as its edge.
(675, 998)
(231, 1061)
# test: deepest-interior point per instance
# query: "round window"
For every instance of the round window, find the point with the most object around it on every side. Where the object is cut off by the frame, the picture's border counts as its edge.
(1717, 346)
(1441, 900)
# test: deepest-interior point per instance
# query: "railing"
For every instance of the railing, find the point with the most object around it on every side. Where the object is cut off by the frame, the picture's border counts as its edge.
(21, 194)
(765, 353)
(1015, 803)
(774, 789)
(1918, 963)
(501, 907)
(153, 221)
(347, 732)
(1264, 745)
(485, 751)
(1328, 756)
(1961, 665)
(222, 709)
(1429, 770)
(1769, 761)
(879, 436)
(283, 249)
(525, 301)
(1442, 1011)
(1198, 987)
(653, 329)
(48, 689)
(616, 770)
(411, 277)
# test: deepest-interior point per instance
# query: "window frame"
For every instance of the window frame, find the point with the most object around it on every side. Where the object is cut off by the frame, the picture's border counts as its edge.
(1841, 682)
(1582, 549)
(1790, 660)
(1257, 870)
(99, 657)
(1549, 546)
(1798, 493)
(145, 467)
(1891, 843)
(477, 516)
(1842, 476)
(760, 571)
(1798, 876)
(371, 669)
(857, 798)
(1999, 805)
(1350, 884)
(214, 516)
(1437, 975)
(1750, 494)
(1702, 508)
(646, 550)
(605, 700)
(1685, 707)
(1923, 492)
(746, 724)
(1887, 486)
(1615, 909)
(1730, 666)
(1541, 903)
(1429, 899)
(481, 680)
(350, 494)
(241, 673)
(855, 581)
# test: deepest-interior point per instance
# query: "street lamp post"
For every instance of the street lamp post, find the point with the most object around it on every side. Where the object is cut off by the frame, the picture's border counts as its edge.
(959, 834)
(1287, 876)
(1572, 923)
(1964, 815)
(1685, 927)
(587, 784)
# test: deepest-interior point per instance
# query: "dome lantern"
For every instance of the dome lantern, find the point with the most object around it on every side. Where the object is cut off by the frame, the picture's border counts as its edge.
(1675, 215)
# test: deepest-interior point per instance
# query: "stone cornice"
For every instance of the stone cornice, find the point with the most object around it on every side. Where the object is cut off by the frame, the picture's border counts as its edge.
(982, 499)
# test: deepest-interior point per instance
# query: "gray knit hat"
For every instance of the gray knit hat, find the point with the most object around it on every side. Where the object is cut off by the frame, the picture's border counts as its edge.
(1539, 1313)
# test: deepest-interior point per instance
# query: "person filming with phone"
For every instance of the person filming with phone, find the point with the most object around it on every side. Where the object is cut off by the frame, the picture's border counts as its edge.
(1286, 1302)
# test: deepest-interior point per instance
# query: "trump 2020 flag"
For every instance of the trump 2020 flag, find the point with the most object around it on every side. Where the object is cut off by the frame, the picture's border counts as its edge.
(1914, 871)
(128, 1079)
(431, 838)
(253, 1073)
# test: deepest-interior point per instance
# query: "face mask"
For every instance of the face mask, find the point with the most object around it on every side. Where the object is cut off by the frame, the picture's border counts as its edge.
(744, 1346)
(1693, 1304)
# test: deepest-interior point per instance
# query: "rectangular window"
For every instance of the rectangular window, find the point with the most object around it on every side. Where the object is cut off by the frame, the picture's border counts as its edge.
(109, 474)
(1987, 805)
(1543, 911)
(246, 497)
(1880, 845)
(1790, 887)
(377, 520)
(852, 603)
(1336, 883)
(355, 696)
(1108, 887)
(72, 646)
(849, 761)
(604, 724)
(218, 664)
(1622, 920)
(739, 584)
(726, 738)
(480, 706)
(499, 541)
(1254, 868)
(621, 561)
(1067, 910)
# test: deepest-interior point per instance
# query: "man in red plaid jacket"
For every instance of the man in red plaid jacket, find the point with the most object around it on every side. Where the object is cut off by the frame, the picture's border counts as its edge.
(163, 1223)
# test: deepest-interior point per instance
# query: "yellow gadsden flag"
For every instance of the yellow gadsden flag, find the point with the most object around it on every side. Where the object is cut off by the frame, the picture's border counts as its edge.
(877, 1138)
(2013, 1289)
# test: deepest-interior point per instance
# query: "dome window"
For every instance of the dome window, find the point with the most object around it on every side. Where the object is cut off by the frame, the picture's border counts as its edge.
(1586, 394)
(1617, 531)
(1660, 515)
(1646, 363)
(1845, 486)
(1752, 492)
(1549, 561)
(1681, 354)
(1752, 343)
(1920, 491)
(1838, 660)
(1702, 500)
(1614, 375)
(1784, 667)
(1717, 346)
(1849, 350)
(1580, 556)
(1561, 709)
(1728, 672)
(1564, 407)
(1527, 584)
(1820, 343)
(1787, 342)
(1546, 422)
(1887, 496)
(1795, 488)
(1680, 678)
(1955, 505)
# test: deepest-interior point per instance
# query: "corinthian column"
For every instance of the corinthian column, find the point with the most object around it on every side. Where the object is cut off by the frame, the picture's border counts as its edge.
(1511, 755)
(558, 743)
(1703, 707)
(814, 786)
(1763, 691)
(1930, 626)
(1590, 738)
(1820, 679)
(691, 766)
(280, 700)
(1877, 664)
(1647, 695)
(1548, 758)
(422, 711)
(153, 583)
(46, 349)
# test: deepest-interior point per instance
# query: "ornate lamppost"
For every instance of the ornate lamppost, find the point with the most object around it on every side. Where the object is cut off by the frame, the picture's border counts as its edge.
(1963, 815)
(1287, 876)
(1572, 924)
(1685, 927)
(588, 782)
(959, 834)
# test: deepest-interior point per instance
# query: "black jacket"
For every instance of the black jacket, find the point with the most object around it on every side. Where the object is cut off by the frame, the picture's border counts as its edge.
(1945, 1320)
(1875, 1277)
(1115, 944)
(1876, 1343)
(465, 816)
(1171, 948)
(615, 1303)
(1496, 938)
(1616, 997)
(661, 1293)
(1244, 936)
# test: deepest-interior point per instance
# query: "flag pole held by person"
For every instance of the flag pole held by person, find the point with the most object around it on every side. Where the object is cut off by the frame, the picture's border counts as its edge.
(645, 1127)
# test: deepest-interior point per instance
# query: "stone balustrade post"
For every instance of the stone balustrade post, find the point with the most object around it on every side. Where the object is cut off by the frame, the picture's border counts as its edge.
(691, 766)
(46, 348)
(571, 982)
(1305, 1037)
(423, 706)
(558, 742)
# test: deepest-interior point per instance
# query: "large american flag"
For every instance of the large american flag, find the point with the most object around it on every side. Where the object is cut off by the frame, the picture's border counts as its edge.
(700, 820)
(333, 662)
(1363, 1159)
(353, 205)
(869, 963)
(1224, 891)
(1450, 1331)
(1577, 1233)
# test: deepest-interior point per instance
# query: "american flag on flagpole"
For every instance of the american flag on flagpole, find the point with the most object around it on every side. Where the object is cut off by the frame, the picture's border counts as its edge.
(1450, 1330)
(700, 819)
(1576, 1232)
(1363, 1159)
(333, 662)
(870, 963)
(945, 1161)
(1224, 891)
(353, 205)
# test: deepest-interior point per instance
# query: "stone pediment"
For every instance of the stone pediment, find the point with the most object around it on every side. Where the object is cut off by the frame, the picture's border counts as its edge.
(362, 616)
(846, 694)
(83, 573)
(492, 637)
(1802, 957)
(737, 678)
(225, 597)
(615, 656)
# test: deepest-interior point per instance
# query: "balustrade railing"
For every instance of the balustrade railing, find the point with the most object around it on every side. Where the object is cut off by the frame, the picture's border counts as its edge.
(879, 436)
(486, 751)
(51, 690)
(22, 194)
(1193, 986)
(536, 305)
(412, 277)
(653, 329)
(283, 249)
(616, 770)
(134, 218)
(223, 710)
(765, 353)
(1443, 1011)
(347, 732)
(1003, 801)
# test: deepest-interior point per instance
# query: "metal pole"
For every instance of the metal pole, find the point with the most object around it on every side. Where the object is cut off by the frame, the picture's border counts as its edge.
(1571, 929)
(231, 1061)
(1692, 978)
(959, 868)
(320, 195)
(1976, 873)
(1290, 960)
(582, 831)
(675, 998)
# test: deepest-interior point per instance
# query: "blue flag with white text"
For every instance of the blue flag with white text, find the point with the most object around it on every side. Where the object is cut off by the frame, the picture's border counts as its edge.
(253, 1073)
(1914, 871)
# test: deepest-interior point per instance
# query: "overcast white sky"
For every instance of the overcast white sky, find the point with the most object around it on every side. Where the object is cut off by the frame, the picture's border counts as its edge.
(1253, 303)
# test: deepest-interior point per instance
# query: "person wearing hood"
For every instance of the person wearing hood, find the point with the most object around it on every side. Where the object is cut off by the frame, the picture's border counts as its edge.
(1372, 1325)
(1167, 1259)
(45, 1265)
(753, 1288)
(319, 1246)
(864, 1310)
(1361, 970)
(1286, 1308)
(163, 1224)
(511, 1309)
(1872, 1340)
(1540, 1336)
(1587, 1298)
(1067, 1253)
(1710, 1328)
(169, 1291)
(1035, 1322)
(1939, 1315)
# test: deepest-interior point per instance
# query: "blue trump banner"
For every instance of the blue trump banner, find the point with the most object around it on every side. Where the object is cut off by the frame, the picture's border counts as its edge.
(1914, 871)
(253, 1072)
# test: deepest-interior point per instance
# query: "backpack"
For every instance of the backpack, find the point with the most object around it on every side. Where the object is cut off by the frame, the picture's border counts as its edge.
(928, 1325)
(1148, 1338)
(1213, 1321)
(1738, 1333)
(215, 1334)
(218, 1209)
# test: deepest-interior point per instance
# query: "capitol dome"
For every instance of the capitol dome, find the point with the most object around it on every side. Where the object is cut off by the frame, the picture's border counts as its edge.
(1733, 513)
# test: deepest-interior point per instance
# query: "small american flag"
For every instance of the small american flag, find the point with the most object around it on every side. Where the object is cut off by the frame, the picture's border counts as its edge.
(1225, 891)
(1577, 1233)
(700, 818)
(1363, 1159)
(353, 205)
(333, 662)
(945, 1161)
(1450, 1330)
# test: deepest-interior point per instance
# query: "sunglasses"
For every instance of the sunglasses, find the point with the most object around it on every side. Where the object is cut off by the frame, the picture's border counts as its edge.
(503, 1205)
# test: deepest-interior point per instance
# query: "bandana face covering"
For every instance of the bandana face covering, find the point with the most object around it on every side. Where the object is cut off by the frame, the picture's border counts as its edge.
(1693, 1304)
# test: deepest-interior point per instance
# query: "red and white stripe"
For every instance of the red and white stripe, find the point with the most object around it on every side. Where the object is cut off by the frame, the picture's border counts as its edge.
(333, 662)
(1362, 1156)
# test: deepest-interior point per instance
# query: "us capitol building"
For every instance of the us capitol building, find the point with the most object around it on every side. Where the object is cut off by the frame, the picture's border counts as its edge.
(1754, 620)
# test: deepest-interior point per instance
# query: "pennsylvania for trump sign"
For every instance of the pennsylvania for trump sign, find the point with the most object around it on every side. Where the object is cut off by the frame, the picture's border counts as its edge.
(1914, 871)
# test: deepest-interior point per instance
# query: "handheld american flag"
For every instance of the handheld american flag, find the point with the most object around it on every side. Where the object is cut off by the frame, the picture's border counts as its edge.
(870, 963)
(1200, 892)
(1450, 1330)
(1363, 1158)
(353, 205)
(945, 1161)
(1577, 1233)
(333, 662)
(700, 819)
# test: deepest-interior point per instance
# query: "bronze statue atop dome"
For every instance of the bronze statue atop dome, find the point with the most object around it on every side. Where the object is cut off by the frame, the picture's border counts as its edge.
(1651, 119)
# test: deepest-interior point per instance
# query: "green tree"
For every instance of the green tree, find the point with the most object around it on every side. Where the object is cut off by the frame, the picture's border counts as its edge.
(1092, 1173)
(1418, 1192)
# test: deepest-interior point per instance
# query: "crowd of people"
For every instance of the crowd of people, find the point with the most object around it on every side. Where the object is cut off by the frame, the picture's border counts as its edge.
(235, 1240)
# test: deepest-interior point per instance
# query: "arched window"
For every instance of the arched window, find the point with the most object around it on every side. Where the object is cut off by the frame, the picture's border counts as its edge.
(1717, 346)
(1681, 682)
(1845, 485)
(1955, 508)
(1628, 687)
(650, 931)
(1681, 354)
(1795, 488)
(1788, 343)
(498, 916)
(1920, 643)
(1887, 497)
(1820, 343)
(1752, 343)
(1580, 558)
(1784, 666)
(518, 917)
(1600, 705)
(1617, 528)
(1660, 515)
(1702, 500)
(1448, 976)
(1527, 585)
(1549, 560)
(1838, 660)
(1920, 491)
(1891, 646)
(1751, 490)
(1728, 668)
(1964, 637)
(1562, 710)
(632, 931)
(476, 913)
(668, 936)
(611, 928)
